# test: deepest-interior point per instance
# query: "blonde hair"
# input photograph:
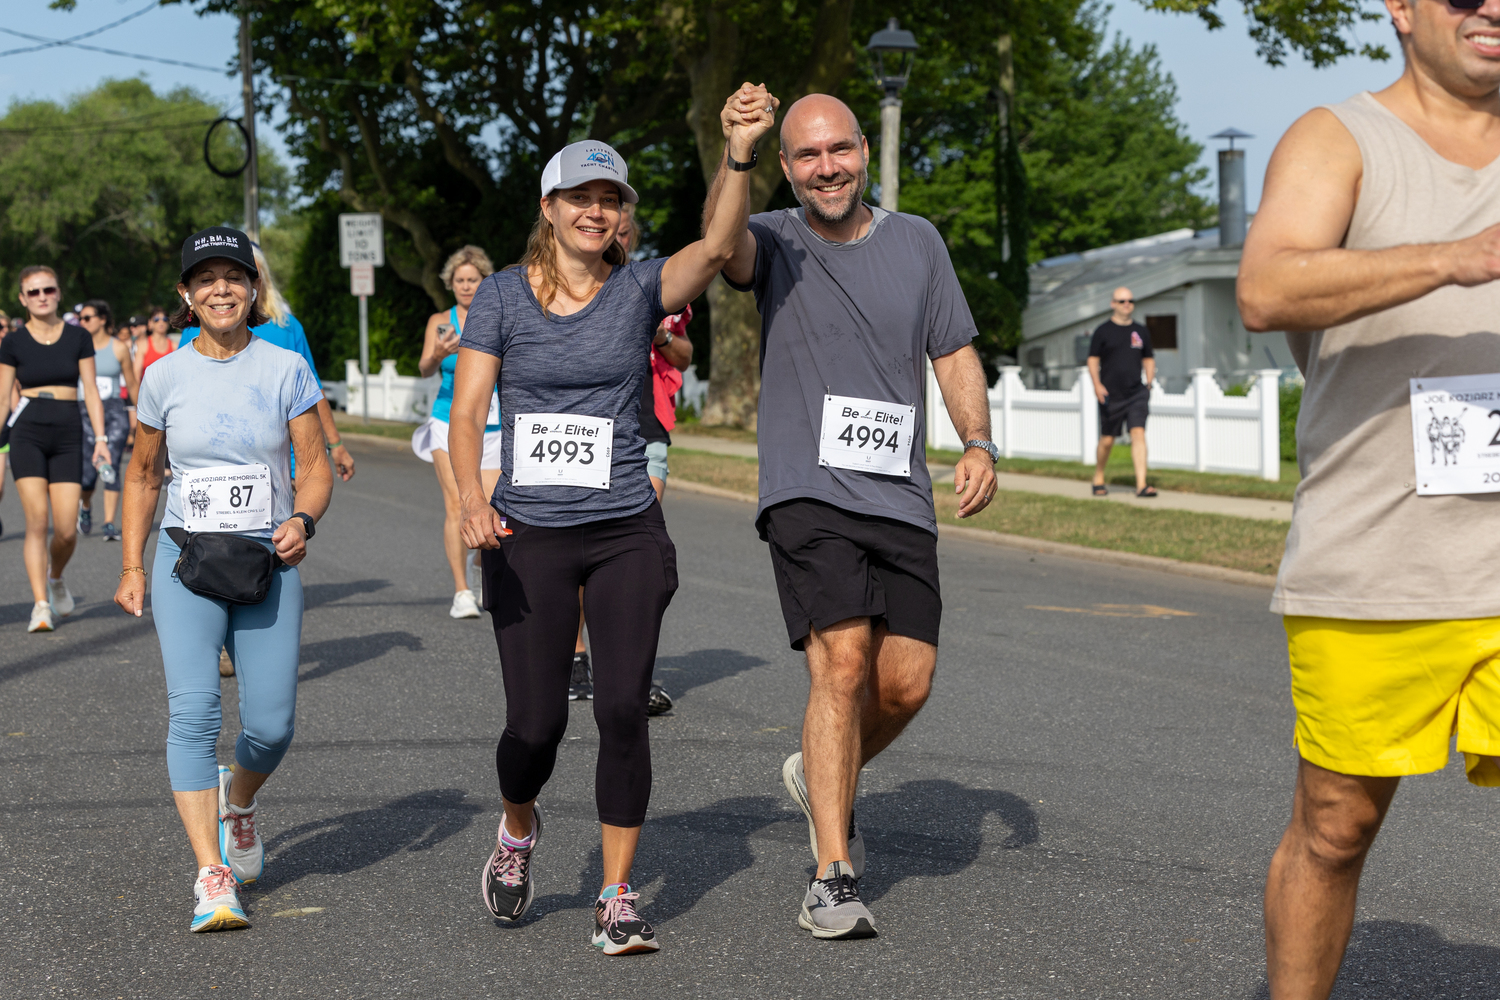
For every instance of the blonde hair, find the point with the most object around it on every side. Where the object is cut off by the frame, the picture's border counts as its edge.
(471, 255)
(627, 219)
(541, 253)
(271, 302)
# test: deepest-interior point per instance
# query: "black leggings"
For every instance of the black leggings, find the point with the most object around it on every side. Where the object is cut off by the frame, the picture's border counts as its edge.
(628, 569)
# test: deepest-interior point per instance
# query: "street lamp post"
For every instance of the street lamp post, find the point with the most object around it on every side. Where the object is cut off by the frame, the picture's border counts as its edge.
(247, 93)
(895, 50)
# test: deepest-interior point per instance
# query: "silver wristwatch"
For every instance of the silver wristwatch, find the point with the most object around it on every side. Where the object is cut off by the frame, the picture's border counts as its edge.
(988, 446)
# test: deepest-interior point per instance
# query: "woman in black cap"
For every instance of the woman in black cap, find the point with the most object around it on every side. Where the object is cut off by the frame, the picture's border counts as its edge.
(229, 407)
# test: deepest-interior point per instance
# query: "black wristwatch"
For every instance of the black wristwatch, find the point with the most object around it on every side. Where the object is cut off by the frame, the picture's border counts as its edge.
(307, 522)
(736, 164)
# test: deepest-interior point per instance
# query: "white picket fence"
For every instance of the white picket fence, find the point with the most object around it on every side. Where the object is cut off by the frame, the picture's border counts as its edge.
(1200, 429)
(392, 397)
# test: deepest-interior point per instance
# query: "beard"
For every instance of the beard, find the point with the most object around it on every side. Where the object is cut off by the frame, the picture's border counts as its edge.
(841, 212)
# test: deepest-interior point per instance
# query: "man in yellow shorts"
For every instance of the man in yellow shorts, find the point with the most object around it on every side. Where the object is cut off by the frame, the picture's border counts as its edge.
(1376, 248)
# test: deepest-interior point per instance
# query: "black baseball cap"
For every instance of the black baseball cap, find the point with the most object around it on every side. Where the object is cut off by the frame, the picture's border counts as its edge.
(218, 241)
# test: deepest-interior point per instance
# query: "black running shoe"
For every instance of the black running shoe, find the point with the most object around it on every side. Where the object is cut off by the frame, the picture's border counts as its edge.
(660, 703)
(618, 929)
(581, 687)
(506, 883)
(85, 519)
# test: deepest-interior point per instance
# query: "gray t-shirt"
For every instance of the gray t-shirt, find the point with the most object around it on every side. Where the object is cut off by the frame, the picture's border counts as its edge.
(591, 363)
(849, 319)
(229, 412)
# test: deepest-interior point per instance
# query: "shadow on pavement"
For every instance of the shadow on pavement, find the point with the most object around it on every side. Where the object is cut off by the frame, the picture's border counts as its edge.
(341, 845)
(333, 655)
(315, 595)
(1395, 960)
(934, 828)
(680, 674)
(55, 654)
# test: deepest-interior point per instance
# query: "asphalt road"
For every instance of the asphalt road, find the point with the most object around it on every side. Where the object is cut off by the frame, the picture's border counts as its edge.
(1085, 808)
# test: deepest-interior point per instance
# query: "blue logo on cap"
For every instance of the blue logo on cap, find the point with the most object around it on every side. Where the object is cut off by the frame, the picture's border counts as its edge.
(602, 158)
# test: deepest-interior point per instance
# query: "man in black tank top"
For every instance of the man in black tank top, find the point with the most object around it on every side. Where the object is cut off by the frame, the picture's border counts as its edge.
(1377, 248)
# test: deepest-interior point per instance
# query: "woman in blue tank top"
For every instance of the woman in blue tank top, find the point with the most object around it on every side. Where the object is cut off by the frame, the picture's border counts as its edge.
(462, 274)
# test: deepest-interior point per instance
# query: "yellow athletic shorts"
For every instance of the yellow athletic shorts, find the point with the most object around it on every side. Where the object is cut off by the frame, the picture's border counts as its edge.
(1383, 698)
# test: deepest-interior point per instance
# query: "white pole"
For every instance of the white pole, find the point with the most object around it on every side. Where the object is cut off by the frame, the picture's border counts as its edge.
(1267, 380)
(364, 354)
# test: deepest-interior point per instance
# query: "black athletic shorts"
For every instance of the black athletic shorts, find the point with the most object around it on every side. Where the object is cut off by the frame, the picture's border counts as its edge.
(47, 441)
(1117, 412)
(831, 565)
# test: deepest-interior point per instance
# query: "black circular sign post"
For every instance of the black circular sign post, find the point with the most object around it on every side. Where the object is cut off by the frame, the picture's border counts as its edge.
(208, 138)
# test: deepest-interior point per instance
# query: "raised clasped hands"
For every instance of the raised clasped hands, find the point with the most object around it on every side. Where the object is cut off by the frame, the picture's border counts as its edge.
(748, 115)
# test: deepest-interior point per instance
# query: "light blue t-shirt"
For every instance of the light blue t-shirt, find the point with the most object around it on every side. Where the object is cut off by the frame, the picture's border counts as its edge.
(291, 336)
(230, 412)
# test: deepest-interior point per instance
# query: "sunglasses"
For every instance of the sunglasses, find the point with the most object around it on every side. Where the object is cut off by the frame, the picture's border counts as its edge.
(32, 293)
(1125, 302)
(1466, 4)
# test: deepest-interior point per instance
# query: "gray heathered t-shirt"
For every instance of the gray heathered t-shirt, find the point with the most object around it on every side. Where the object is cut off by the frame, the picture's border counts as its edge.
(590, 363)
(849, 319)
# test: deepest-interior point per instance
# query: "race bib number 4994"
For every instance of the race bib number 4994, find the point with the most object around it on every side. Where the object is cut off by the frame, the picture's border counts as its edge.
(227, 498)
(1455, 429)
(867, 435)
(562, 449)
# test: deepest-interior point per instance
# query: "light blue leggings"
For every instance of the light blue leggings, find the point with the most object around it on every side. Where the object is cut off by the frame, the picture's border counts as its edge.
(264, 641)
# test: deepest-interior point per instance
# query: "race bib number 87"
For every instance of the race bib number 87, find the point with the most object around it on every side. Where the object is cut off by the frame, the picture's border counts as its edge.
(562, 449)
(1455, 429)
(227, 498)
(867, 435)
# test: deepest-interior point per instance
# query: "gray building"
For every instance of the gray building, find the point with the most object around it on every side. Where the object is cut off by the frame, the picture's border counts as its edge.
(1184, 290)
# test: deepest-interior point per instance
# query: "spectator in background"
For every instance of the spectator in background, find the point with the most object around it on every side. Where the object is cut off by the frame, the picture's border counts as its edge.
(283, 330)
(155, 345)
(1118, 355)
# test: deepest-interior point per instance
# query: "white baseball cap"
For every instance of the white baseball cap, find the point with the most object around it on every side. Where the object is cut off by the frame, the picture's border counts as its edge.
(580, 162)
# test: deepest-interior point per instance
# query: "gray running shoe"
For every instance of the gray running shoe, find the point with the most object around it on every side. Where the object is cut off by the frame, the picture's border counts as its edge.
(795, 780)
(832, 910)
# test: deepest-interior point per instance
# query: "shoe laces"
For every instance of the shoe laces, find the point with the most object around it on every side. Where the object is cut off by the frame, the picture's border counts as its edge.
(619, 909)
(841, 889)
(511, 864)
(242, 829)
(218, 882)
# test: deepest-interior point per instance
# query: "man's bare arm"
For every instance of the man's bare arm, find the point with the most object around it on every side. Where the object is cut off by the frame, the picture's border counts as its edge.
(960, 377)
(1099, 391)
(1294, 274)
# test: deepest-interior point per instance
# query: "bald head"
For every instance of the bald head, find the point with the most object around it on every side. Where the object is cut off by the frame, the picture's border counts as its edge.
(1121, 305)
(814, 117)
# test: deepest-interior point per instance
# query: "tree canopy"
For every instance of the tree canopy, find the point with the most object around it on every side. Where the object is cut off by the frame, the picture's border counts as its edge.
(106, 187)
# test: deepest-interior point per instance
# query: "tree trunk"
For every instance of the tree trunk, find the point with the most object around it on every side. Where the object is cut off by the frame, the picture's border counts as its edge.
(734, 322)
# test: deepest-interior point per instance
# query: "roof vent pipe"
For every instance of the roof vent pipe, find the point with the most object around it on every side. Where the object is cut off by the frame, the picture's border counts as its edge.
(1232, 189)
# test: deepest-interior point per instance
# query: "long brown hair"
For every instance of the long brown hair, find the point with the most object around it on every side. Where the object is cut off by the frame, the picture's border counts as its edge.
(541, 253)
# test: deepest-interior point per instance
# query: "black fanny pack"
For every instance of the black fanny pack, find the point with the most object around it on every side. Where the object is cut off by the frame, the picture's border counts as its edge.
(228, 567)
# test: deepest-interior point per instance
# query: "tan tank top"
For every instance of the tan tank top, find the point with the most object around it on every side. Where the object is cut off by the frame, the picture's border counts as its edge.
(1363, 544)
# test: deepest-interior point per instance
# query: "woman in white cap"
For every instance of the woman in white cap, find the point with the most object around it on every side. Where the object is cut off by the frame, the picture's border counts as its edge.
(575, 506)
(462, 273)
(224, 574)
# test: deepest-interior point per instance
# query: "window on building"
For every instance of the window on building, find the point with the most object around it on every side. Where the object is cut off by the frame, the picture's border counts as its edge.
(1036, 357)
(1163, 330)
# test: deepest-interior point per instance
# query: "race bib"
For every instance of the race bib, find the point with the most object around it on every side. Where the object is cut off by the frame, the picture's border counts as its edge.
(867, 435)
(493, 417)
(562, 449)
(106, 384)
(1455, 429)
(227, 498)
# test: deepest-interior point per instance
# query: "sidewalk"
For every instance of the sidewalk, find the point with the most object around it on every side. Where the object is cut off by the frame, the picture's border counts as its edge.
(1201, 503)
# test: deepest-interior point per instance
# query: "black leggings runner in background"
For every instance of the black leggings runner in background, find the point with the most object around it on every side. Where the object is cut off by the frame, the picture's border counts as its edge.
(628, 569)
(116, 430)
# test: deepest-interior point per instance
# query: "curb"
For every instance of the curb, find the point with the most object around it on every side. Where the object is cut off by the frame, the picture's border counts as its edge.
(1042, 547)
(376, 439)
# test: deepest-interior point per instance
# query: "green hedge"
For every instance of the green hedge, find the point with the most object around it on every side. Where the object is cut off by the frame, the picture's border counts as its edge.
(1291, 404)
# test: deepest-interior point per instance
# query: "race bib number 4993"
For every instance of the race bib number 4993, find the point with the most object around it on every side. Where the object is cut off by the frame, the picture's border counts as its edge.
(562, 449)
(1455, 429)
(227, 498)
(867, 435)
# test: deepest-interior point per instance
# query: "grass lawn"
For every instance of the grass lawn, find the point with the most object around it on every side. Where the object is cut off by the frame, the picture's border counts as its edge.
(1234, 542)
(352, 424)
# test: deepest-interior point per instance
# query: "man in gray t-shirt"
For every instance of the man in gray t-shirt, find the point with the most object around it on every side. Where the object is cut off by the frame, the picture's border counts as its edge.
(853, 301)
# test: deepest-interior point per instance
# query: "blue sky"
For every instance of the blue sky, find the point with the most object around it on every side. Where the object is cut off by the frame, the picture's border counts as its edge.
(1220, 80)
